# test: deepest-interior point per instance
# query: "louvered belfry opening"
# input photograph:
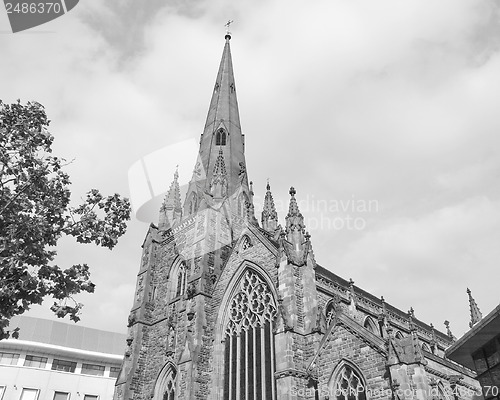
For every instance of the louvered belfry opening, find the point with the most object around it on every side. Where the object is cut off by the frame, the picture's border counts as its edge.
(249, 342)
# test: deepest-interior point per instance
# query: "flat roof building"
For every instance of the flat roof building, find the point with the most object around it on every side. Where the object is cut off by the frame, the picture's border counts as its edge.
(53, 360)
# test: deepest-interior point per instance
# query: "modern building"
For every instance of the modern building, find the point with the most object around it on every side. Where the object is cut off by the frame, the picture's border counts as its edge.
(52, 360)
(479, 349)
(227, 307)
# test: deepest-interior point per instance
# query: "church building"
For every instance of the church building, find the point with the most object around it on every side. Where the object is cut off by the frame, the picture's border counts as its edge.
(229, 306)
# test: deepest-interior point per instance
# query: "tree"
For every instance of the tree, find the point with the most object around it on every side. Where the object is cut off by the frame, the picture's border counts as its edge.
(35, 213)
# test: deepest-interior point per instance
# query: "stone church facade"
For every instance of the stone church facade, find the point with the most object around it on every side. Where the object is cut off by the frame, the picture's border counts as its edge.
(227, 307)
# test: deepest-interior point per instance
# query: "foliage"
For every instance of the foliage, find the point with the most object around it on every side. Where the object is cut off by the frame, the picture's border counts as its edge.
(35, 213)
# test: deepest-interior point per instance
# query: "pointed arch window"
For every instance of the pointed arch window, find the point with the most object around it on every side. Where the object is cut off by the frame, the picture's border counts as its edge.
(426, 347)
(330, 312)
(249, 342)
(349, 384)
(220, 137)
(399, 335)
(181, 280)
(165, 384)
(370, 325)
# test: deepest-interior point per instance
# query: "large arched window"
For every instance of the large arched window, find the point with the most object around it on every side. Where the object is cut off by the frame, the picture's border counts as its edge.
(220, 137)
(249, 341)
(165, 383)
(348, 383)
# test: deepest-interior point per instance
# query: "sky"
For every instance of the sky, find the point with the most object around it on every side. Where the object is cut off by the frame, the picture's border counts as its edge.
(383, 116)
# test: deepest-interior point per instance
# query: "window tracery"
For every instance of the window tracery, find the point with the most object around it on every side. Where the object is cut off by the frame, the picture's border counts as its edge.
(220, 137)
(249, 341)
(349, 385)
(246, 243)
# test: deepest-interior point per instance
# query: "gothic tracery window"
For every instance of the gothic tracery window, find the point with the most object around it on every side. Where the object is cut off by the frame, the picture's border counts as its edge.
(330, 313)
(249, 342)
(169, 392)
(220, 137)
(349, 385)
(246, 243)
(165, 384)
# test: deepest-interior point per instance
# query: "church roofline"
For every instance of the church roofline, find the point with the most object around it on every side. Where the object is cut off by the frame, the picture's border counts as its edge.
(326, 273)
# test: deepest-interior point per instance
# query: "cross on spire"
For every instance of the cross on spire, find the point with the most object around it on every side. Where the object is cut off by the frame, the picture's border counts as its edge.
(227, 25)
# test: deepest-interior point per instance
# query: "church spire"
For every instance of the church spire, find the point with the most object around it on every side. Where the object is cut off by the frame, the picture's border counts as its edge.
(171, 209)
(221, 135)
(269, 214)
(475, 314)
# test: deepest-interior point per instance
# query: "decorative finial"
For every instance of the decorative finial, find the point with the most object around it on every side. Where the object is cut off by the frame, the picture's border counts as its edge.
(448, 330)
(475, 313)
(268, 187)
(292, 191)
(228, 34)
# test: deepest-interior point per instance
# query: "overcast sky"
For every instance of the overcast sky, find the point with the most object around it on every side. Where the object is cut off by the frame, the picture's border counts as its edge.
(382, 113)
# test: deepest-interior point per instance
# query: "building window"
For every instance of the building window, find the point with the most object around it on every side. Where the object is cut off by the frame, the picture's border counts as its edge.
(220, 137)
(90, 397)
(181, 280)
(113, 372)
(63, 365)
(35, 361)
(370, 325)
(29, 394)
(425, 347)
(170, 387)
(249, 342)
(399, 335)
(9, 358)
(193, 203)
(165, 384)
(349, 385)
(61, 396)
(93, 369)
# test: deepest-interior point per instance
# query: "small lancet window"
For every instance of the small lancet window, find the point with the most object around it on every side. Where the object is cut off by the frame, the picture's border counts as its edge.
(181, 280)
(193, 203)
(370, 325)
(220, 137)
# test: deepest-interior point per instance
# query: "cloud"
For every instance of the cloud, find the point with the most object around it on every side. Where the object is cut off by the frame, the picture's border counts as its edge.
(389, 101)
